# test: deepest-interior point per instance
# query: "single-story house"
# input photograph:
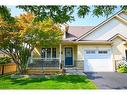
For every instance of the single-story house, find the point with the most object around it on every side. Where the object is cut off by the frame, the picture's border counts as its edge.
(90, 48)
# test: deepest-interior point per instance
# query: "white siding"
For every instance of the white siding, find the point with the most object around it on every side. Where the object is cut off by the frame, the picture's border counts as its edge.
(108, 30)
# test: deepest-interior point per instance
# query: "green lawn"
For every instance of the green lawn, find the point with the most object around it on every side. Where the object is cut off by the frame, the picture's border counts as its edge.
(59, 82)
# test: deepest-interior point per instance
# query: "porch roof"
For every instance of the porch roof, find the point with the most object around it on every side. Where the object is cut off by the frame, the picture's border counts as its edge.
(86, 42)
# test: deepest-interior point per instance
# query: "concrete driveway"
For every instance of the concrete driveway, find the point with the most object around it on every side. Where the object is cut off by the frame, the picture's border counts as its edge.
(109, 80)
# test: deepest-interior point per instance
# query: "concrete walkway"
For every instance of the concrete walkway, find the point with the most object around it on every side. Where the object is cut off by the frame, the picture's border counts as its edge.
(74, 72)
(109, 80)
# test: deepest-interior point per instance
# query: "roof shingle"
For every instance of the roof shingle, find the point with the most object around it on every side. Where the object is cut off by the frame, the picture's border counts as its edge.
(77, 31)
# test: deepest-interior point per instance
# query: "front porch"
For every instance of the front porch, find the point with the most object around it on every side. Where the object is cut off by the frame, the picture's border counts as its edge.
(44, 66)
(40, 63)
(63, 56)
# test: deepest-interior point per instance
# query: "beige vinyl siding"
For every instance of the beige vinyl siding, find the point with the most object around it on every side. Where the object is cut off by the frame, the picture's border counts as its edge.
(118, 48)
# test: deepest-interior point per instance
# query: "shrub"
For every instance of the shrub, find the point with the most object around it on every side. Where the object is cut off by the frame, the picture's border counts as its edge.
(122, 69)
(5, 60)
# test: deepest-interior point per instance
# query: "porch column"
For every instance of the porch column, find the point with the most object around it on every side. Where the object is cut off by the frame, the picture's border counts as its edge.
(31, 58)
(60, 58)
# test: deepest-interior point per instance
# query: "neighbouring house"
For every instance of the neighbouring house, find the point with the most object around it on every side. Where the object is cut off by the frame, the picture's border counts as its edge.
(87, 48)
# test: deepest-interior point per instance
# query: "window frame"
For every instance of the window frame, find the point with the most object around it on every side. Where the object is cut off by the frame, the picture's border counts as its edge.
(51, 54)
(49, 50)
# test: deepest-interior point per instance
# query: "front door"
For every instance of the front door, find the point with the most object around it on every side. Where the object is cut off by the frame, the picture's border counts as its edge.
(68, 56)
(126, 54)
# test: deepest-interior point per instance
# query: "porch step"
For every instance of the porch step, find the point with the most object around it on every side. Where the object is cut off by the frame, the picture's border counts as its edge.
(44, 68)
(46, 71)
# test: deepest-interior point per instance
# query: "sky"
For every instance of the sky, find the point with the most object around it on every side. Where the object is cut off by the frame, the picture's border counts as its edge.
(89, 19)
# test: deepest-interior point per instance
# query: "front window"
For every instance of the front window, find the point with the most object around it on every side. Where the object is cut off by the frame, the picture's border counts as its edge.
(48, 53)
(53, 52)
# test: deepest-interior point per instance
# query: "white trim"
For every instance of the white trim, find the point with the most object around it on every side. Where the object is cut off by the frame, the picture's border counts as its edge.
(117, 35)
(46, 54)
(73, 55)
(31, 61)
(121, 18)
(60, 56)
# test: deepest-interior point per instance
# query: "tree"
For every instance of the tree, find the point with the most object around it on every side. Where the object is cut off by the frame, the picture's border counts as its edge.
(59, 14)
(5, 13)
(64, 14)
(19, 40)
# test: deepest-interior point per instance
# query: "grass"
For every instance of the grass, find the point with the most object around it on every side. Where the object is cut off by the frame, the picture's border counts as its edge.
(58, 82)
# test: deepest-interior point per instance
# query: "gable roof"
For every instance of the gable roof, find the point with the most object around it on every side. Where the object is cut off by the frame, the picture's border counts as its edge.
(76, 31)
(98, 26)
(117, 35)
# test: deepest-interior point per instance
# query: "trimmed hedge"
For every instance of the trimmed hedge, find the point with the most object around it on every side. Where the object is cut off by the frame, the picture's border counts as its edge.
(5, 60)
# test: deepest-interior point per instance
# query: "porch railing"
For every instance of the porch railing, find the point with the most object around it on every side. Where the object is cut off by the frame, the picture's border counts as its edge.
(120, 62)
(44, 63)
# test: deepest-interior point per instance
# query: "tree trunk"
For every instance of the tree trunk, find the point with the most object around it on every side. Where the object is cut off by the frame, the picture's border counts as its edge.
(21, 57)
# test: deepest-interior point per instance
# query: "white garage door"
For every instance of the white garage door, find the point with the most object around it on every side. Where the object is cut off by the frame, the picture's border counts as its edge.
(98, 61)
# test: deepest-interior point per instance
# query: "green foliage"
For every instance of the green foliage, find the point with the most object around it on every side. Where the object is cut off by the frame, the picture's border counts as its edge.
(83, 11)
(122, 69)
(5, 60)
(59, 14)
(64, 14)
(5, 13)
(103, 10)
(123, 7)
